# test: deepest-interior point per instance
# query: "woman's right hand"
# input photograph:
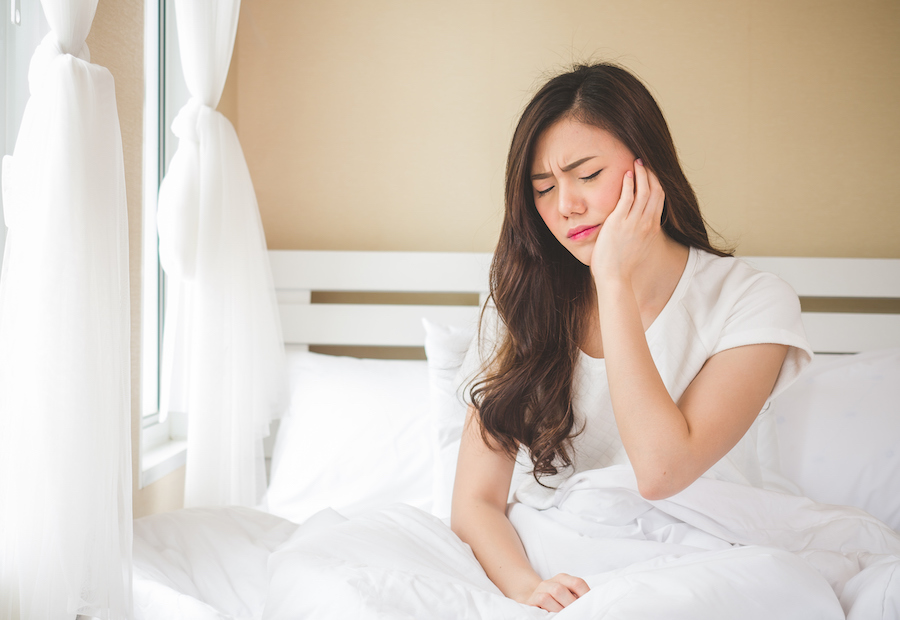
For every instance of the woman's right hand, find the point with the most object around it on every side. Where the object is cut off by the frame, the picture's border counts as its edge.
(557, 592)
(628, 233)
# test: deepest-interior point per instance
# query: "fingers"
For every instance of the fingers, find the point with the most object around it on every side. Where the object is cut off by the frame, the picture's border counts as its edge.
(545, 600)
(558, 592)
(649, 196)
(576, 585)
(642, 187)
(657, 198)
(627, 197)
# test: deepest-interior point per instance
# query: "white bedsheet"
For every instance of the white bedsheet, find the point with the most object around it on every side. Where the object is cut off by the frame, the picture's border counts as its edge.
(716, 550)
(204, 563)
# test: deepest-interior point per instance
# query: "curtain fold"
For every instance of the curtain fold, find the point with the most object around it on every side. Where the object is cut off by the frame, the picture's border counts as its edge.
(65, 398)
(223, 356)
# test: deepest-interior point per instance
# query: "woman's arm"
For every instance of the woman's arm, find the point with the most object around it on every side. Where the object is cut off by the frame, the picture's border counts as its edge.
(669, 444)
(478, 517)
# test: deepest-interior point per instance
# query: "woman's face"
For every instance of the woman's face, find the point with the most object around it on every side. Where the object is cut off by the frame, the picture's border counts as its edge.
(576, 176)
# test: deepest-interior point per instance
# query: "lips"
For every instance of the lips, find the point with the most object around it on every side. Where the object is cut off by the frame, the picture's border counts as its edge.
(580, 232)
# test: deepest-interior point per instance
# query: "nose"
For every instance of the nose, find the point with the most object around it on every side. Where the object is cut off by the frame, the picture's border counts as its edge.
(571, 202)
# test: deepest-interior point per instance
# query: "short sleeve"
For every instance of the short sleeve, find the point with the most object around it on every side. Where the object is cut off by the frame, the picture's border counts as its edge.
(767, 311)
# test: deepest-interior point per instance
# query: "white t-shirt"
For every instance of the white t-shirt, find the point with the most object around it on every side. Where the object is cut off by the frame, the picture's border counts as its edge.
(719, 303)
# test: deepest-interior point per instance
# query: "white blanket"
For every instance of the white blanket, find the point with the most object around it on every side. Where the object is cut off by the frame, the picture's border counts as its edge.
(716, 550)
(204, 563)
(761, 547)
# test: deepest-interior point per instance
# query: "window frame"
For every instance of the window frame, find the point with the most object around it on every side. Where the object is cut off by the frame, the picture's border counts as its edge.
(163, 444)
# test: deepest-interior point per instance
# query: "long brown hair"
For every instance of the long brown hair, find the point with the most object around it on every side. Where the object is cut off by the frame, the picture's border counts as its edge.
(542, 293)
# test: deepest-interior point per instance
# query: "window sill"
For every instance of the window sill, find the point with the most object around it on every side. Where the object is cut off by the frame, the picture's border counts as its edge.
(162, 460)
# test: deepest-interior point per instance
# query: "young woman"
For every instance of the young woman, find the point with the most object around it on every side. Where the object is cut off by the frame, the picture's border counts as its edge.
(620, 335)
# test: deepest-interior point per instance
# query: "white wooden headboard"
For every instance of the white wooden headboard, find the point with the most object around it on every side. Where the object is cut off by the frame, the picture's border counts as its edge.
(299, 272)
(842, 278)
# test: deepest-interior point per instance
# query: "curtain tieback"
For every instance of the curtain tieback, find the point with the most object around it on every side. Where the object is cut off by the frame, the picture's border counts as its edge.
(178, 216)
(186, 124)
(39, 70)
(46, 53)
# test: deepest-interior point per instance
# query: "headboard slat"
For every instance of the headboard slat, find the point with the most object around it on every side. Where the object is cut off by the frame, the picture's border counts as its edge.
(367, 325)
(834, 277)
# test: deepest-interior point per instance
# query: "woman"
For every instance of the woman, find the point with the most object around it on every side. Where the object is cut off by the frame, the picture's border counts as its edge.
(620, 334)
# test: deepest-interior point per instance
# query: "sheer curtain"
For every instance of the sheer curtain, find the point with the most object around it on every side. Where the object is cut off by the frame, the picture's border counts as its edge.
(65, 439)
(223, 357)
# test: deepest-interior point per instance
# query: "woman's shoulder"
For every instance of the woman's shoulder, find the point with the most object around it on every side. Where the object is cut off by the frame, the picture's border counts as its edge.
(726, 294)
(731, 303)
(723, 279)
(734, 304)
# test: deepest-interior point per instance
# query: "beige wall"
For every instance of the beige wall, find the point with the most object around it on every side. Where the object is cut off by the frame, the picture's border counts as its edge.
(384, 125)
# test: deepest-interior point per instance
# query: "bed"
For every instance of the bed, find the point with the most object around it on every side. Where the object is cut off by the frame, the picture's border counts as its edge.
(363, 462)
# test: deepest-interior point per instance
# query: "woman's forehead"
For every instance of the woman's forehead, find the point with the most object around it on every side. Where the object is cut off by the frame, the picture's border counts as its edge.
(568, 141)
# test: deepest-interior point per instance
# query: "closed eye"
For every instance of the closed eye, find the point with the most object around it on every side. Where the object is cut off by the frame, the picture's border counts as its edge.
(541, 192)
(588, 178)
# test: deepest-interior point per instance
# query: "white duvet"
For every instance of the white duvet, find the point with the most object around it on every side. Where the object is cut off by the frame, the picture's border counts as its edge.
(716, 550)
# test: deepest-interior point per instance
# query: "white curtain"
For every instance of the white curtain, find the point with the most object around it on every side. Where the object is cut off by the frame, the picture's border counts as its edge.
(223, 356)
(65, 439)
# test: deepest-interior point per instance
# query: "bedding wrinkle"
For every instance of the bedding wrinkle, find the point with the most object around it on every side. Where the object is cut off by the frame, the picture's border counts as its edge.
(398, 562)
(204, 563)
(881, 576)
(401, 562)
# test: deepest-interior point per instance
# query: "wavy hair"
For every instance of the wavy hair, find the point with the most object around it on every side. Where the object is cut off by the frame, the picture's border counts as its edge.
(542, 293)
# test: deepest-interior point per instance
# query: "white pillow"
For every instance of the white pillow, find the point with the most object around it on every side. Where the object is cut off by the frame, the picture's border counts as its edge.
(445, 348)
(357, 437)
(839, 432)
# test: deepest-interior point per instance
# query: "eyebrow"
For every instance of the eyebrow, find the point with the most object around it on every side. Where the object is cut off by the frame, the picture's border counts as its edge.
(573, 165)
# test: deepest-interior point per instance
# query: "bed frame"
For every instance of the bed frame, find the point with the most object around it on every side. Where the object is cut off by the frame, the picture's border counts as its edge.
(299, 273)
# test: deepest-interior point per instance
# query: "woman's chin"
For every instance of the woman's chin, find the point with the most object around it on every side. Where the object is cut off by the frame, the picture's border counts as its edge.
(583, 254)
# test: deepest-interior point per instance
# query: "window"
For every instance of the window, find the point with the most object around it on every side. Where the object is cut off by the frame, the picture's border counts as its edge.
(162, 443)
(22, 26)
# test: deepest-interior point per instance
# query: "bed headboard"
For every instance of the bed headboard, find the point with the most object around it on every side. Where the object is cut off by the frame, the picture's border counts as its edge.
(868, 287)
(298, 273)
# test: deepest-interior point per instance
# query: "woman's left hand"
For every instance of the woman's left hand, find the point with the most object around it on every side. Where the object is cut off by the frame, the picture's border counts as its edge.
(629, 231)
